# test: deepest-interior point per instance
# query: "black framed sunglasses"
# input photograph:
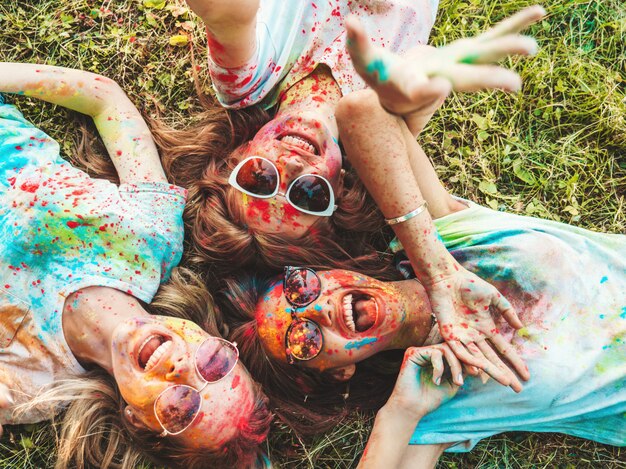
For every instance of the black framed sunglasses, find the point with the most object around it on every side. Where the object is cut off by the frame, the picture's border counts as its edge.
(308, 193)
(303, 339)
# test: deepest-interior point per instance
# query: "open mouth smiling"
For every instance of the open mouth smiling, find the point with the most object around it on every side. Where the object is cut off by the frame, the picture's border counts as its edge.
(152, 350)
(360, 311)
(300, 142)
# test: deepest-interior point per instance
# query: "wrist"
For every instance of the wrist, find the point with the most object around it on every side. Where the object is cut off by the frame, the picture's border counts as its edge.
(400, 413)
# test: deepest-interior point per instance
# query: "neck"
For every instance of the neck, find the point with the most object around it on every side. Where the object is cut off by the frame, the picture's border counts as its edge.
(90, 317)
(317, 94)
(418, 322)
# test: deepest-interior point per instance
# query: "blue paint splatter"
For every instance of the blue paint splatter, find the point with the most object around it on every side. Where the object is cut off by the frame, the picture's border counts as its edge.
(604, 279)
(623, 315)
(318, 308)
(357, 344)
(379, 68)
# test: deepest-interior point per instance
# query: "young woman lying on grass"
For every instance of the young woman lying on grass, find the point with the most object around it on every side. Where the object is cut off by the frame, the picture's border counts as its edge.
(299, 113)
(284, 195)
(79, 256)
(309, 333)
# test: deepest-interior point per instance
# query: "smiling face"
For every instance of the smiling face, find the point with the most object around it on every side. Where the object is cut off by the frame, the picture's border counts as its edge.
(153, 353)
(296, 145)
(357, 315)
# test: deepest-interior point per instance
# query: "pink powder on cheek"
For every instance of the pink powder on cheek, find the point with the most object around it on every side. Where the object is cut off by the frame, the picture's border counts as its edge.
(235, 382)
(258, 208)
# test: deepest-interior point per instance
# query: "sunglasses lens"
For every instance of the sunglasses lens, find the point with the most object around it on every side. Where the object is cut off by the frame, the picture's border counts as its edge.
(258, 176)
(176, 407)
(304, 340)
(311, 193)
(216, 358)
(302, 287)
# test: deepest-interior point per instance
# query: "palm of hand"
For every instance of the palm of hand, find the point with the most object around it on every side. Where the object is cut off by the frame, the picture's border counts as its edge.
(462, 304)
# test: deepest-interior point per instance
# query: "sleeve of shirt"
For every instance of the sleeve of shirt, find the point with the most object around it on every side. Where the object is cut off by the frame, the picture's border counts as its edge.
(159, 210)
(22, 144)
(246, 85)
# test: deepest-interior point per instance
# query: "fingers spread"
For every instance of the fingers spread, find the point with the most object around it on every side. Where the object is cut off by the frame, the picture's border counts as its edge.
(492, 51)
(506, 375)
(470, 78)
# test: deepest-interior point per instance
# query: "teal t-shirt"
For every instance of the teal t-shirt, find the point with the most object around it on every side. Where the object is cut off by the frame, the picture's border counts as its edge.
(569, 287)
(61, 230)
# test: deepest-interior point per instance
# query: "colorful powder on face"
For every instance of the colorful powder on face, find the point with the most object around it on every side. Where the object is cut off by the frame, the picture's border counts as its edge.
(357, 344)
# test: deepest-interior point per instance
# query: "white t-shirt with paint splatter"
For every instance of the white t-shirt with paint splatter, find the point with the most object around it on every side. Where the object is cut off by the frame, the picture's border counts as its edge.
(61, 230)
(295, 36)
(569, 287)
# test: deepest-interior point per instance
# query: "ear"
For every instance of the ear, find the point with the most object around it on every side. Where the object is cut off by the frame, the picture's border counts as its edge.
(130, 416)
(343, 373)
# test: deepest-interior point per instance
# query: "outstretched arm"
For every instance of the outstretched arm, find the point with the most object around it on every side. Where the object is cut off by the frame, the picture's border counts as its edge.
(376, 146)
(123, 130)
(231, 29)
(415, 85)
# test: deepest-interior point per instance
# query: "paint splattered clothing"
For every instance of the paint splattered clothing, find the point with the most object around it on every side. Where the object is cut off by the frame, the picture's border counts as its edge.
(60, 231)
(294, 37)
(569, 287)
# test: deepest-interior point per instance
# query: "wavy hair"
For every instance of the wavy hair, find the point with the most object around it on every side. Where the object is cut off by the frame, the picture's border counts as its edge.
(94, 431)
(201, 156)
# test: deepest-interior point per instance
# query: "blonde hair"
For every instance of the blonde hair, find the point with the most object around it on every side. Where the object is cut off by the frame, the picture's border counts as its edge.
(93, 430)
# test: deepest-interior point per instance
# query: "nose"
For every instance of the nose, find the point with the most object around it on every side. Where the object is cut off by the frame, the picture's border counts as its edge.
(293, 166)
(320, 312)
(182, 370)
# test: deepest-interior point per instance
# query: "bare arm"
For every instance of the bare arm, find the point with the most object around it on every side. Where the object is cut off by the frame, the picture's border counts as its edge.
(419, 390)
(231, 29)
(378, 146)
(123, 130)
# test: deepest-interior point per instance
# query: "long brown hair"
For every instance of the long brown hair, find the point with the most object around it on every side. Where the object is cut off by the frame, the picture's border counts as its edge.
(201, 156)
(305, 399)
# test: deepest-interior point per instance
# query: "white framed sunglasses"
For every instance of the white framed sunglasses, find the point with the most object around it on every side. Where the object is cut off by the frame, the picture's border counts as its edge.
(308, 193)
(177, 406)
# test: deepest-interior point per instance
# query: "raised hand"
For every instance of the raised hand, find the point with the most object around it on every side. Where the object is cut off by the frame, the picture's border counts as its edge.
(420, 387)
(405, 83)
(463, 304)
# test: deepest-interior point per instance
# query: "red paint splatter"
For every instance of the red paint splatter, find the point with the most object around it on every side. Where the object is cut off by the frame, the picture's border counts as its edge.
(30, 187)
(235, 382)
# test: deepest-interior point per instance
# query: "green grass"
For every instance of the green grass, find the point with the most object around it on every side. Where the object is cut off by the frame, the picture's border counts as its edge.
(556, 150)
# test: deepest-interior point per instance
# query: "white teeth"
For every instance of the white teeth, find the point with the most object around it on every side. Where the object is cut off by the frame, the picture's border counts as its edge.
(347, 312)
(299, 142)
(158, 353)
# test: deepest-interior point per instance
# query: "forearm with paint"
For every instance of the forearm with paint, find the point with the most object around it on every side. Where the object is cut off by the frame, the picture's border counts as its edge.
(123, 130)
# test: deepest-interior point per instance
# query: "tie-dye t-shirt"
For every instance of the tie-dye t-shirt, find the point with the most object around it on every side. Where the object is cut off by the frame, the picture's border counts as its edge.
(60, 231)
(295, 36)
(569, 287)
